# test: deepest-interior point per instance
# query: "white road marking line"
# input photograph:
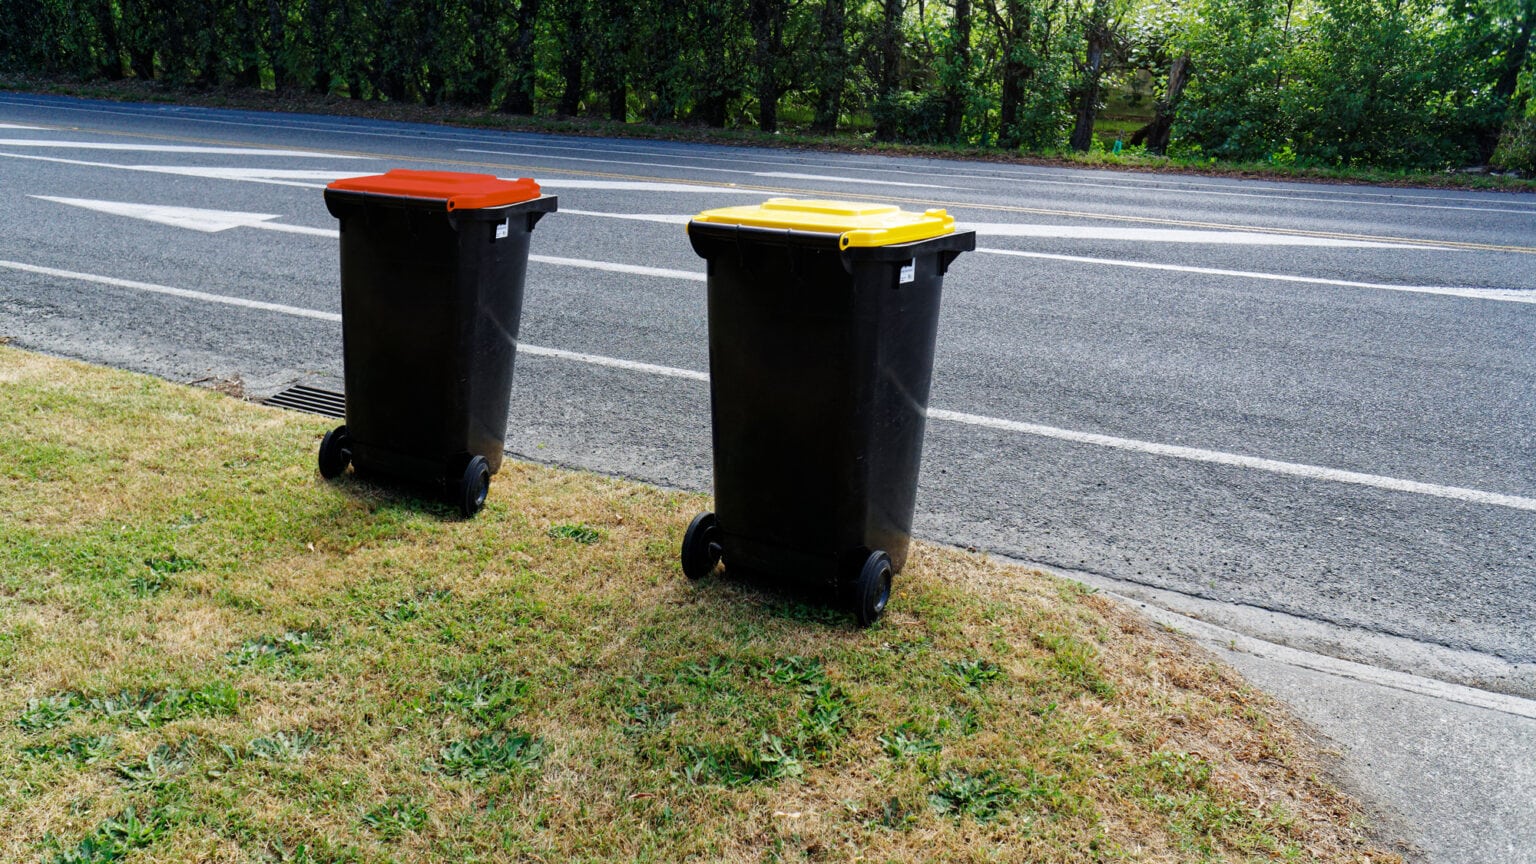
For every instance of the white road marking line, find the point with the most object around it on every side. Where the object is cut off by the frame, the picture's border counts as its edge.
(1105, 179)
(1063, 177)
(525, 155)
(174, 292)
(660, 272)
(639, 186)
(1192, 454)
(614, 363)
(19, 126)
(1174, 235)
(1099, 232)
(663, 218)
(822, 178)
(1508, 295)
(171, 148)
(1216, 457)
(249, 175)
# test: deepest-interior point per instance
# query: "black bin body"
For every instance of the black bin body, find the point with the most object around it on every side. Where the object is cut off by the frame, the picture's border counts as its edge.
(430, 304)
(820, 363)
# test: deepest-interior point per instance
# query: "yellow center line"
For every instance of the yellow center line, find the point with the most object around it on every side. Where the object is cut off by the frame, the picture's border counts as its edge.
(893, 199)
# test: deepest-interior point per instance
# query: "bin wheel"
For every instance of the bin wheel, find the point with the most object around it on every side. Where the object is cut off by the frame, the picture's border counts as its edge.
(872, 590)
(701, 546)
(474, 486)
(335, 452)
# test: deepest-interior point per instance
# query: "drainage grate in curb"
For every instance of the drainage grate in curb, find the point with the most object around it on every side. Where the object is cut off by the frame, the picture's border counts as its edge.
(311, 400)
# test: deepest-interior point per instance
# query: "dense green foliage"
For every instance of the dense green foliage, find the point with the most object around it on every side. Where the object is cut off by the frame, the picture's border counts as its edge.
(1394, 83)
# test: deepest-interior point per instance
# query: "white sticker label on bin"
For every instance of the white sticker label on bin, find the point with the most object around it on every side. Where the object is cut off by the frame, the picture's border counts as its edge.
(501, 231)
(909, 272)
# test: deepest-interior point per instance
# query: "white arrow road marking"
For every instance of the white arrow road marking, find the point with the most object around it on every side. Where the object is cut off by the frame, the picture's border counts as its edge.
(213, 221)
(167, 148)
(196, 219)
(1234, 460)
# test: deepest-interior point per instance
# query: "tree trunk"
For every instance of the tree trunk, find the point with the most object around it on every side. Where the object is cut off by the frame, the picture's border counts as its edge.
(1088, 100)
(960, 63)
(275, 47)
(832, 66)
(572, 50)
(1014, 36)
(767, 20)
(524, 72)
(1160, 129)
(890, 64)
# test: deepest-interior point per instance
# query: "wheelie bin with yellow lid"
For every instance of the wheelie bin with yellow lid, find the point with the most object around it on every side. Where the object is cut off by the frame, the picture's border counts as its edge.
(432, 272)
(822, 322)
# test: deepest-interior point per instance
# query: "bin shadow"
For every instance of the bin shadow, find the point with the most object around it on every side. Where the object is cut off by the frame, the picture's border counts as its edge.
(773, 597)
(388, 492)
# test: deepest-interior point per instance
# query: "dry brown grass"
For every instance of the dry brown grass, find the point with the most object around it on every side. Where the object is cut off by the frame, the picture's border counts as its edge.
(171, 541)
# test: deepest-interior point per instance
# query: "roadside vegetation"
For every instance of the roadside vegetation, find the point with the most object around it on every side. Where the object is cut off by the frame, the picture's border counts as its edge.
(212, 655)
(1348, 89)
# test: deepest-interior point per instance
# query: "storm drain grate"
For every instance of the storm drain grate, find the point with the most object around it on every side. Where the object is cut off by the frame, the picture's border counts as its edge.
(312, 400)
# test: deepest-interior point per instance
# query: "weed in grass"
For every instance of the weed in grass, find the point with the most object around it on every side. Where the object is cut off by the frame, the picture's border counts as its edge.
(907, 742)
(49, 712)
(283, 746)
(499, 753)
(113, 839)
(797, 671)
(166, 565)
(823, 722)
(579, 533)
(646, 717)
(396, 817)
(733, 767)
(974, 674)
(896, 815)
(1076, 661)
(983, 796)
(488, 701)
(411, 608)
(1178, 770)
(146, 708)
(144, 585)
(81, 749)
(159, 767)
(266, 652)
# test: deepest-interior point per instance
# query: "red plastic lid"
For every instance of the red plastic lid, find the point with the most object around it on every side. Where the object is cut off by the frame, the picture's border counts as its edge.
(458, 190)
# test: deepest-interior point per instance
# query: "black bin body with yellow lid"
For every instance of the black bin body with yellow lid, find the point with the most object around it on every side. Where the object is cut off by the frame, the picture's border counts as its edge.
(822, 323)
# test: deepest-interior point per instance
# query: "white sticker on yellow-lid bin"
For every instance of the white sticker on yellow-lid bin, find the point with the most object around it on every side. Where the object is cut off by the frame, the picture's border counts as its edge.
(909, 272)
(501, 231)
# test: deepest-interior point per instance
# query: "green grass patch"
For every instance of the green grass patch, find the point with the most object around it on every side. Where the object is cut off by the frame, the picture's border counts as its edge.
(213, 654)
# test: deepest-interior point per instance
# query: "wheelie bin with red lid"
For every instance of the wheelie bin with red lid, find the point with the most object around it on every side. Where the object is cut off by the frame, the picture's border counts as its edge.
(822, 321)
(432, 271)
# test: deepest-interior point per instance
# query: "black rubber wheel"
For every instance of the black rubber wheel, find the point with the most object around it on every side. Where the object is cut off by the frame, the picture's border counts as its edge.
(335, 453)
(474, 486)
(872, 589)
(701, 546)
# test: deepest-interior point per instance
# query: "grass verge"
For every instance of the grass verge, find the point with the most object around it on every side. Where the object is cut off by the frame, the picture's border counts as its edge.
(212, 655)
(452, 115)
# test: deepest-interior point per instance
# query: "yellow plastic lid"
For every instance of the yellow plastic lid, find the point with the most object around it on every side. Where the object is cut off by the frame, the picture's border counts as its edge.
(857, 224)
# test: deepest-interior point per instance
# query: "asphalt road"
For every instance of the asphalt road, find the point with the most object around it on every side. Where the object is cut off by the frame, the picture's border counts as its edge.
(1317, 400)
